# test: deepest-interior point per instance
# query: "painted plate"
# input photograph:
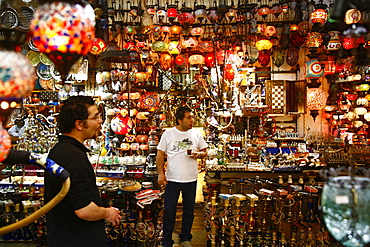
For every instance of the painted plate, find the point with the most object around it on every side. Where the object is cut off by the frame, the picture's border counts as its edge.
(45, 59)
(34, 57)
(44, 71)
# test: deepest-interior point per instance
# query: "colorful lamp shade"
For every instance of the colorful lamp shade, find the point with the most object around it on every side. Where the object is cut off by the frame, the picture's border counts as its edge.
(189, 42)
(200, 13)
(314, 69)
(196, 59)
(334, 43)
(264, 11)
(276, 10)
(210, 59)
(229, 72)
(314, 40)
(212, 15)
(174, 47)
(352, 16)
(304, 28)
(181, 61)
(171, 13)
(263, 44)
(316, 100)
(197, 31)
(186, 19)
(319, 16)
(5, 143)
(64, 31)
(98, 46)
(159, 46)
(175, 29)
(292, 56)
(165, 60)
(17, 77)
(264, 57)
(330, 65)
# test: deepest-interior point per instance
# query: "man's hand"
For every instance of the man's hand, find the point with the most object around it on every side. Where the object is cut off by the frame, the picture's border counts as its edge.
(162, 180)
(113, 216)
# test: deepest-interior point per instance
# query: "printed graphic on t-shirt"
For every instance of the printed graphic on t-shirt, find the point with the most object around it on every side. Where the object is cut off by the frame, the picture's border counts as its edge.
(182, 145)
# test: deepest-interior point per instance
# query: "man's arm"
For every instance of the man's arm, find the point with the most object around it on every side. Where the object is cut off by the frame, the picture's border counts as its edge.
(93, 212)
(202, 153)
(160, 167)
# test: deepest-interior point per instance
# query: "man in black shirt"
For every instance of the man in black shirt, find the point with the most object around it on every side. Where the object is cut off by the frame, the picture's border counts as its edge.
(78, 220)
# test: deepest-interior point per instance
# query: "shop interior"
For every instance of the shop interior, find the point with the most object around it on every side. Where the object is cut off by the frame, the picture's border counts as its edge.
(279, 88)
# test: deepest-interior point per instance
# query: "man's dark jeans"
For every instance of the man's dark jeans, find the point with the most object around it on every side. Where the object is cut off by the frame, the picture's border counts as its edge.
(171, 197)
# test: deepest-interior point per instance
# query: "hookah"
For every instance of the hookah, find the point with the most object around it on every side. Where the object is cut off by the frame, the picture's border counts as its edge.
(24, 157)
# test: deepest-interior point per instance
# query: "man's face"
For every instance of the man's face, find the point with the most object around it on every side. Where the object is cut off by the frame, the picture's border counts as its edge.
(187, 122)
(19, 123)
(93, 123)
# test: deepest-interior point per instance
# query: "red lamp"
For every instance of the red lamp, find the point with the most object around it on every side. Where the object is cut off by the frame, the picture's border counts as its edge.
(229, 72)
(330, 65)
(186, 18)
(264, 11)
(171, 13)
(210, 60)
(98, 46)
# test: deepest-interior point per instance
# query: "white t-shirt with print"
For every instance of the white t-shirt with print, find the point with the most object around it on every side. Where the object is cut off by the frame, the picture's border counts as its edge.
(181, 168)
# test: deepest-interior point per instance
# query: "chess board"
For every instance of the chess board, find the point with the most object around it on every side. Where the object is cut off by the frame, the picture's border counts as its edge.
(286, 97)
(276, 96)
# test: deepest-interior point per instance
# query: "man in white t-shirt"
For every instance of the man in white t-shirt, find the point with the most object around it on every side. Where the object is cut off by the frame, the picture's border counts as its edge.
(180, 174)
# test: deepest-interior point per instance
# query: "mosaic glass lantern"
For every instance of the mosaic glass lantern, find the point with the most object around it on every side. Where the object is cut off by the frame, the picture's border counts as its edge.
(304, 28)
(98, 46)
(210, 60)
(316, 100)
(189, 42)
(264, 11)
(175, 29)
(186, 18)
(196, 59)
(319, 16)
(174, 47)
(197, 31)
(352, 16)
(296, 39)
(212, 15)
(264, 57)
(17, 77)
(276, 10)
(349, 43)
(200, 13)
(263, 44)
(205, 46)
(229, 72)
(64, 31)
(314, 40)
(165, 60)
(314, 69)
(292, 56)
(181, 61)
(330, 66)
(159, 46)
(171, 13)
(334, 43)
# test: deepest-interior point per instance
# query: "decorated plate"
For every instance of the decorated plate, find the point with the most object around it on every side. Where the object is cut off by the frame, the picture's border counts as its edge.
(45, 59)
(25, 17)
(34, 57)
(44, 71)
(32, 46)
